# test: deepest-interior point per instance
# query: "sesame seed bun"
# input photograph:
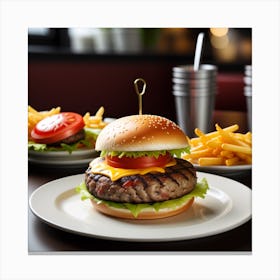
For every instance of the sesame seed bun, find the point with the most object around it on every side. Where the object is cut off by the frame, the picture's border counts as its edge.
(141, 133)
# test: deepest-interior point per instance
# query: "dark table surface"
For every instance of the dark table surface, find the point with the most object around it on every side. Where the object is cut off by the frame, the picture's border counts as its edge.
(43, 238)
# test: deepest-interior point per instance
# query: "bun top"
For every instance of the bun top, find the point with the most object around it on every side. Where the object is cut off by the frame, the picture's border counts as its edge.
(141, 133)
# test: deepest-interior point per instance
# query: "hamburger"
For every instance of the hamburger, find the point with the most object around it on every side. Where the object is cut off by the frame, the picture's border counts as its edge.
(139, 174)
(64, 131)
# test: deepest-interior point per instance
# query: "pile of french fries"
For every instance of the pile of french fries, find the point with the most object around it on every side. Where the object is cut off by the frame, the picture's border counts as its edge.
(95, 121)
(35, 116)
(224, 146)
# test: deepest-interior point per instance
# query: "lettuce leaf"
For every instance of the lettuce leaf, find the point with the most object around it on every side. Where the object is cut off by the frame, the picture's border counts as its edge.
(88, 142)
(175, 153)
(91, 133)
(36, 146)
(200, 190)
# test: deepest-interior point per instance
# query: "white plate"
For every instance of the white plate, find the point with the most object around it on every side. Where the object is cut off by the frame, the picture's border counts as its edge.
(82, 153)
(80, 158)
(224, 170)
(226, 206)
(62, 163)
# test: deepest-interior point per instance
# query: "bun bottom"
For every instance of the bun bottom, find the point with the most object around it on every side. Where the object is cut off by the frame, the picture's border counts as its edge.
(144, 215)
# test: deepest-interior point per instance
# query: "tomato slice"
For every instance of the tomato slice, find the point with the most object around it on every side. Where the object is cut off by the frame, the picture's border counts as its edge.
(137, 163)
(57, 127)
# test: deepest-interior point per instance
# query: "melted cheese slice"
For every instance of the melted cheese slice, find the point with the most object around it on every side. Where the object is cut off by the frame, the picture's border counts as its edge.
(99, 166)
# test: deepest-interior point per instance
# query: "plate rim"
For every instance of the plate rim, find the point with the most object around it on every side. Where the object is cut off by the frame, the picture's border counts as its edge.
(61, 163)
(79, 152)
(223, 170)
(80, 158)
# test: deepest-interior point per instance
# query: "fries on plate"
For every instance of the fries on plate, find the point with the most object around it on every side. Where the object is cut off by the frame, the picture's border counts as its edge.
(224, 146)
(95, 121)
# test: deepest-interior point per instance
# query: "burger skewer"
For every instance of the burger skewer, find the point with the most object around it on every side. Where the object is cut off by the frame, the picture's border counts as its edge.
(140, 94)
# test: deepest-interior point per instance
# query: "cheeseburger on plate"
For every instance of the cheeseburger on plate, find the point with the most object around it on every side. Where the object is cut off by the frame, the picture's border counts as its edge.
(63, 131)
(139, 174)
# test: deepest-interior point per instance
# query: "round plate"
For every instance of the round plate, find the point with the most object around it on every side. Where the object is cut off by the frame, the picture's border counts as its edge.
(62, 155)
(77, 159)
(226, 206)
(78, 163)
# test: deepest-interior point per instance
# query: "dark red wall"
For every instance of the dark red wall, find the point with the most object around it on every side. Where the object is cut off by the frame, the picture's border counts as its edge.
(83, 86)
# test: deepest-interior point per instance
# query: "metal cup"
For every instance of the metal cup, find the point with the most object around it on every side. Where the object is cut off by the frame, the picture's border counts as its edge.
(194, 83)
(205, 71)
(249, 109)
(248, 93)
(248, 70)
(195, 95)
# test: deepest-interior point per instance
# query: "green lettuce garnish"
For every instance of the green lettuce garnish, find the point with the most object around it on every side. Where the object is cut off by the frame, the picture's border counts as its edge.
(91, 132)
(36, 146)
(200, 190)
(90, 137)
(175, 153)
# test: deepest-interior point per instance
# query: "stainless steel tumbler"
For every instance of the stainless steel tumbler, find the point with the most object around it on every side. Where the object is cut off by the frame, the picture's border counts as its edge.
(195, 95)
(248, 93)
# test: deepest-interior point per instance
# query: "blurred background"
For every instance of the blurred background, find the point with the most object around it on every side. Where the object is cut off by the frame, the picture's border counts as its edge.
(81, 69)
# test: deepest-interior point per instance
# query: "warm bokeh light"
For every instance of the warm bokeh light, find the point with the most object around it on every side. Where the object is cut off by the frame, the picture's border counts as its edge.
(219, 32)
(227, 54)
(219, 42)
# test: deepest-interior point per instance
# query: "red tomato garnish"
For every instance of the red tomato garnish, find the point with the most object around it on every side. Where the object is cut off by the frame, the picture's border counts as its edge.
(140, 162)
(57, 127)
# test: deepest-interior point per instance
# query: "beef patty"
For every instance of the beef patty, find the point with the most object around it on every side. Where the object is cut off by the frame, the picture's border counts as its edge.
(177, 181)
(73, 138)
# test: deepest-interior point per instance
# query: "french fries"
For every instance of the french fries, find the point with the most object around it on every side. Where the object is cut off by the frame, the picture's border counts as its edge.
(95, 121)
(221, 147)
(35, 116)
